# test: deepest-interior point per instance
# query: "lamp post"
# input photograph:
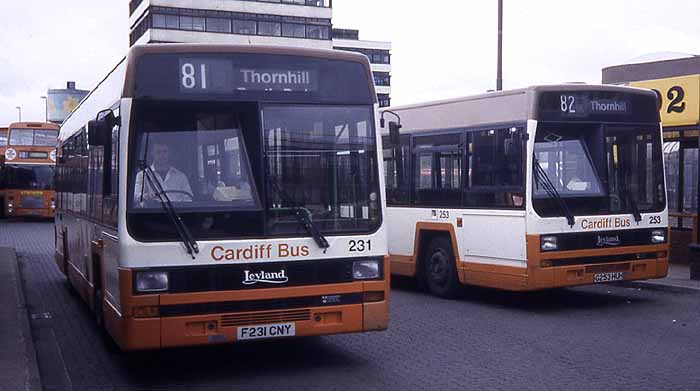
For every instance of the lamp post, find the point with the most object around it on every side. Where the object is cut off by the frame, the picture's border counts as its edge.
(499, 66)
(46, 108)
(19, 109)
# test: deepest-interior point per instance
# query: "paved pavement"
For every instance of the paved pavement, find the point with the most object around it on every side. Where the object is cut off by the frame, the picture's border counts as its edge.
(678, 279)
(18, 368)
(599, 337)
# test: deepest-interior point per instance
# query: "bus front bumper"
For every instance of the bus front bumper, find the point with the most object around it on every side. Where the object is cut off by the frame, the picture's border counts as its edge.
(571, 268)
(586, 274)
(165, 321)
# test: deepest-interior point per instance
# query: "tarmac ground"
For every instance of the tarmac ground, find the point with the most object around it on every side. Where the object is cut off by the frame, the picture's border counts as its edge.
(617, 337)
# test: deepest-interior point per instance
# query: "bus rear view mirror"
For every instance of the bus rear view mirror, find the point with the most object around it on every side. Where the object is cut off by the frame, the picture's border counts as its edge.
(394, 135)
(100, 129)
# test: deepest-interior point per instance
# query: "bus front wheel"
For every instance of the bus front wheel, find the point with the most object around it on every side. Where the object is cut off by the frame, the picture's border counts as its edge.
(440, 269)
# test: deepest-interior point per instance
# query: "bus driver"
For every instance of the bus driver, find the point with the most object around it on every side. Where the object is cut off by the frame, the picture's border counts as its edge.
(173, 181)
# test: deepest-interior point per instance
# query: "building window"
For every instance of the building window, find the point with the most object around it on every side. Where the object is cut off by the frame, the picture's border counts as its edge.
(172, 22)
(382, 79)
(346, 34)
(186, 23)
(216, 25)
(246, 27)
(159, 21)
(232, 22)
(293, 30)
(269, 29)
(317, 32)
(384, 100)
(375, 56)
(198, 24)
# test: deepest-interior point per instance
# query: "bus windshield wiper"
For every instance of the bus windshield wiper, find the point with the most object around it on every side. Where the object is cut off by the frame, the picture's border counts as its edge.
(542, 178)
(302, 215)
(634, 207)
(633, 204)
(180, 227)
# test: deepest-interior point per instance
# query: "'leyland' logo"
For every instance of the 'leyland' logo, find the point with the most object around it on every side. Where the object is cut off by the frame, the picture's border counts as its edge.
(604, 241)
(265, 277)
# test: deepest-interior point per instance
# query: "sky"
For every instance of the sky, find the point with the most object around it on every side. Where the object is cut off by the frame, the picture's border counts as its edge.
(441, 48)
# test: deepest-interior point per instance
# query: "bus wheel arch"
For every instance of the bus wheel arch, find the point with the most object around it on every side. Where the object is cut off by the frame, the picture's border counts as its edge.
(436, 263)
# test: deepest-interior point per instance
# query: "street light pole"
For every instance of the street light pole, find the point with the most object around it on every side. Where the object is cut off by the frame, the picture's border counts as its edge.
(46, 108)
(499, 66)
(20, 113)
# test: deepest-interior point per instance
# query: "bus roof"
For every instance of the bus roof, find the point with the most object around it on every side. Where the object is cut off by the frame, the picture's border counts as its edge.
(120, 82)
(139, 51)
(33, 125)
(517, 105)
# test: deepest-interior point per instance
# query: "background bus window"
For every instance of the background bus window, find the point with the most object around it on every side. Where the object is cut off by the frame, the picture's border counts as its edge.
(438, 170)
(690, 184)
(3, 138)
(495, 176)
(21, 137)
(672, 158)
(33, 137)
(397, 178)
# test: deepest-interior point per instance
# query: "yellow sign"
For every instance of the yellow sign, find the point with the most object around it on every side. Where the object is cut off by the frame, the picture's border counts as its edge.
(680, 99)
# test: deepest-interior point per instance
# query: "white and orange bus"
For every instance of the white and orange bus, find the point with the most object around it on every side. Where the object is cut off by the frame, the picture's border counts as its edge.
(28, 170)
(3, 141)
(214, 193)
(3, 146)
(537, 188)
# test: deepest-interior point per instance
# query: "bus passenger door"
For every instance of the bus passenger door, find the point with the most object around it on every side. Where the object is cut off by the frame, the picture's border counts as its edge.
(493, 231)
(493, 238)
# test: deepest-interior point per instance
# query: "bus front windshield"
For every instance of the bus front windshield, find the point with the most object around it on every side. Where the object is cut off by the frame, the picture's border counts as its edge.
(230, 175)
(28, 177)
(33, 137)
(599, 169)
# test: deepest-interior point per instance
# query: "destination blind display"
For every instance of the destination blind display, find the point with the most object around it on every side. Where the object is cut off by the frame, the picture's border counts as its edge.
(222, 76)
(251, 77)
(597, 106)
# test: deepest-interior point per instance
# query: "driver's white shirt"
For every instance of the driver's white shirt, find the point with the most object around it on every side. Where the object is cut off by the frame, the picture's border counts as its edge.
(174, 180)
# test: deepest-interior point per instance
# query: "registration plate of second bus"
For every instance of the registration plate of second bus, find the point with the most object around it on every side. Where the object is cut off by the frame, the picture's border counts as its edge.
(263, 331)
(608, 277)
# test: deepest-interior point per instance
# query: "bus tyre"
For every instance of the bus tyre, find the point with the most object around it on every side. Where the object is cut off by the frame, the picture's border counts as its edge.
(440, 269)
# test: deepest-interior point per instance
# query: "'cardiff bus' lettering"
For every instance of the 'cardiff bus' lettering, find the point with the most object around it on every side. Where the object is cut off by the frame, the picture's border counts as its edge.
(259, 252)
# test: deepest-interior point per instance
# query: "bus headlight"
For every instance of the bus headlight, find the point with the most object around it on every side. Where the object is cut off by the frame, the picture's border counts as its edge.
(658, 236)
(549, 243)
(365, 270)
(151, 281)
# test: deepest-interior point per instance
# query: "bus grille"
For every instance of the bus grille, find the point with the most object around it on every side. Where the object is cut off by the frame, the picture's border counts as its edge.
(265, 317)
(617, 267)
(32, 202)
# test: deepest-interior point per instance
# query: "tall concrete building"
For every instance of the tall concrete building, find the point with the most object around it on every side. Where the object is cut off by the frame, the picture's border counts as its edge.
(379, 54)
(303, 23)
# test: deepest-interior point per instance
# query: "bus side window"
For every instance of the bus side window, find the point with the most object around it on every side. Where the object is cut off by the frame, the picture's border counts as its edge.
(437, 170)
(495, 169)
(110, 202)
(397, 169)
